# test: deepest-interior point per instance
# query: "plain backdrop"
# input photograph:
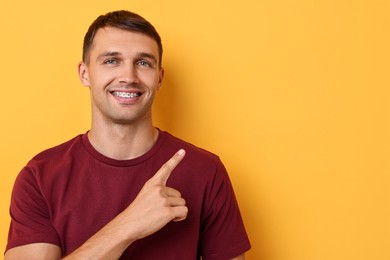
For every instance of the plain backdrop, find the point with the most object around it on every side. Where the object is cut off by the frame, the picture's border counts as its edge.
(293, 95)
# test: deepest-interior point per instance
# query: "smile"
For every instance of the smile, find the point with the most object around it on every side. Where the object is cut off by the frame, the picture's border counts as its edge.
(126, 94)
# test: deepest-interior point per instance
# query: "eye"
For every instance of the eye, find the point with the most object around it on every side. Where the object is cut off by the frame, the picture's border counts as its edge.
(110, 61)
(143, 63)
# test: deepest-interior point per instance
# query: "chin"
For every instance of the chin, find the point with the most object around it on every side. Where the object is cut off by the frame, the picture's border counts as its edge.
(131, 120)
(124, 121)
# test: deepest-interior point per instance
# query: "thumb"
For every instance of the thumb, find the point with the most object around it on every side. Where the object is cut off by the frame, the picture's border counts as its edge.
(165, 171)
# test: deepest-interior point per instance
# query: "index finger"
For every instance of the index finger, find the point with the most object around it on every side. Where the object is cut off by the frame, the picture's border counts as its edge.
(165, 171)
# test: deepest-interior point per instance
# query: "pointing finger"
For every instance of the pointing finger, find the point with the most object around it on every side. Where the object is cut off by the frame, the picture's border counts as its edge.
(165, 171)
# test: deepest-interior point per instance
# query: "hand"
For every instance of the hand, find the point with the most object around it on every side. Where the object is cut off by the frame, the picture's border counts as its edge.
(156, 204)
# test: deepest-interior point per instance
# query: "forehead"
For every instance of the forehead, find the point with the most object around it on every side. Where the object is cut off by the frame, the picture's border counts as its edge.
(122, 41)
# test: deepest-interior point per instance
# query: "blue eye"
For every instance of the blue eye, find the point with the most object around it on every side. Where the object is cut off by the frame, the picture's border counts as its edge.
(143, 63)
(110, 61)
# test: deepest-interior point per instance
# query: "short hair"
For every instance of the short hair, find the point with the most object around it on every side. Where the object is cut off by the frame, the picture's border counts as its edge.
(125, 20)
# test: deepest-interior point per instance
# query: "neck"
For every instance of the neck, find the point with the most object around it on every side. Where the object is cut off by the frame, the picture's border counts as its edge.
(123, 142)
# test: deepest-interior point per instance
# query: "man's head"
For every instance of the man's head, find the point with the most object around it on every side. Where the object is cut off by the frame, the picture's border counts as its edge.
(124, 20)
(122, 68)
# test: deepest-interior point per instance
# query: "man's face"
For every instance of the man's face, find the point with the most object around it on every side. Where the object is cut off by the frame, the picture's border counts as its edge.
(123, 75)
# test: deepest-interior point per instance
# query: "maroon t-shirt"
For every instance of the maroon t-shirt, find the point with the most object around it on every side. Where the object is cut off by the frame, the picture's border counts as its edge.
(65, 194)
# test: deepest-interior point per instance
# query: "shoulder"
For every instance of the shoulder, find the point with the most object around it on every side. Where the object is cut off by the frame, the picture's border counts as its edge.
(50, 160)
(199, 163)
(58, 150)
(193, 152)
(45, 169)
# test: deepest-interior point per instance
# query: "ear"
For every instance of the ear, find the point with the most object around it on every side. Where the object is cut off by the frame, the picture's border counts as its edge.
(83, 74)
(160, 77)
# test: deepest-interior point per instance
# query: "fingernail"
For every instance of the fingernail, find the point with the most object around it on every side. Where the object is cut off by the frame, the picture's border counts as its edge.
(181, 152)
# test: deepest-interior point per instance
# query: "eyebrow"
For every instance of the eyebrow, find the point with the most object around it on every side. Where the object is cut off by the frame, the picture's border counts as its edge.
(147, 55)
(108, 54)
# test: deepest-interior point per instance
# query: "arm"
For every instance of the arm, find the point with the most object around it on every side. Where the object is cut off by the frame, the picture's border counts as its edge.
(37, 251)
(240, 257)
(154, 207)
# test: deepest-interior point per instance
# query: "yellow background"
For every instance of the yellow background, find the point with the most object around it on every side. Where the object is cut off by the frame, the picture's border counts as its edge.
(292, 94)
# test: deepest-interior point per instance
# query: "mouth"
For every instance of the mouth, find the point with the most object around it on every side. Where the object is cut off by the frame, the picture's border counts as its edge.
(126, 94)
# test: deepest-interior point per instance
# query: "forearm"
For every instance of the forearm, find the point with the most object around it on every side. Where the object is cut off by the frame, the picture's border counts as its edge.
(240, 257)
(108, 243)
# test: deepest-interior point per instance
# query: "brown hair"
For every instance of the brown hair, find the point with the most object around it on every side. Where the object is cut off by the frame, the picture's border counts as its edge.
(122, 20)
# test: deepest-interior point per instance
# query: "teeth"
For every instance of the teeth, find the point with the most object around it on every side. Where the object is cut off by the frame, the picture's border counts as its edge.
(126, 94)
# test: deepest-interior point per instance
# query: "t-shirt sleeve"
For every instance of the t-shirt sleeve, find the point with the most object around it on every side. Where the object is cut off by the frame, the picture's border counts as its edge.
(30, 216)
(223, 234)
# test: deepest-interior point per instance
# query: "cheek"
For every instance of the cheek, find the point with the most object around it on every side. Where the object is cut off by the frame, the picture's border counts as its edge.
(152, 80)
(100, 79)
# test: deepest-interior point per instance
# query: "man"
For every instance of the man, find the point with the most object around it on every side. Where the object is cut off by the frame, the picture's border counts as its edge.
(125, 189)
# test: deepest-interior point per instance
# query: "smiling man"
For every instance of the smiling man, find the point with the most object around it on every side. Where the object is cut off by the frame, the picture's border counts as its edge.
(124, 189)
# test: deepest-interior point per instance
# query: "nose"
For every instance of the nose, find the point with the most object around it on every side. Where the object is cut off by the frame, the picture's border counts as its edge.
(128, 74)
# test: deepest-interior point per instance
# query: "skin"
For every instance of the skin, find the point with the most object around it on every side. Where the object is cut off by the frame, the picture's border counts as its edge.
(123, 61)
